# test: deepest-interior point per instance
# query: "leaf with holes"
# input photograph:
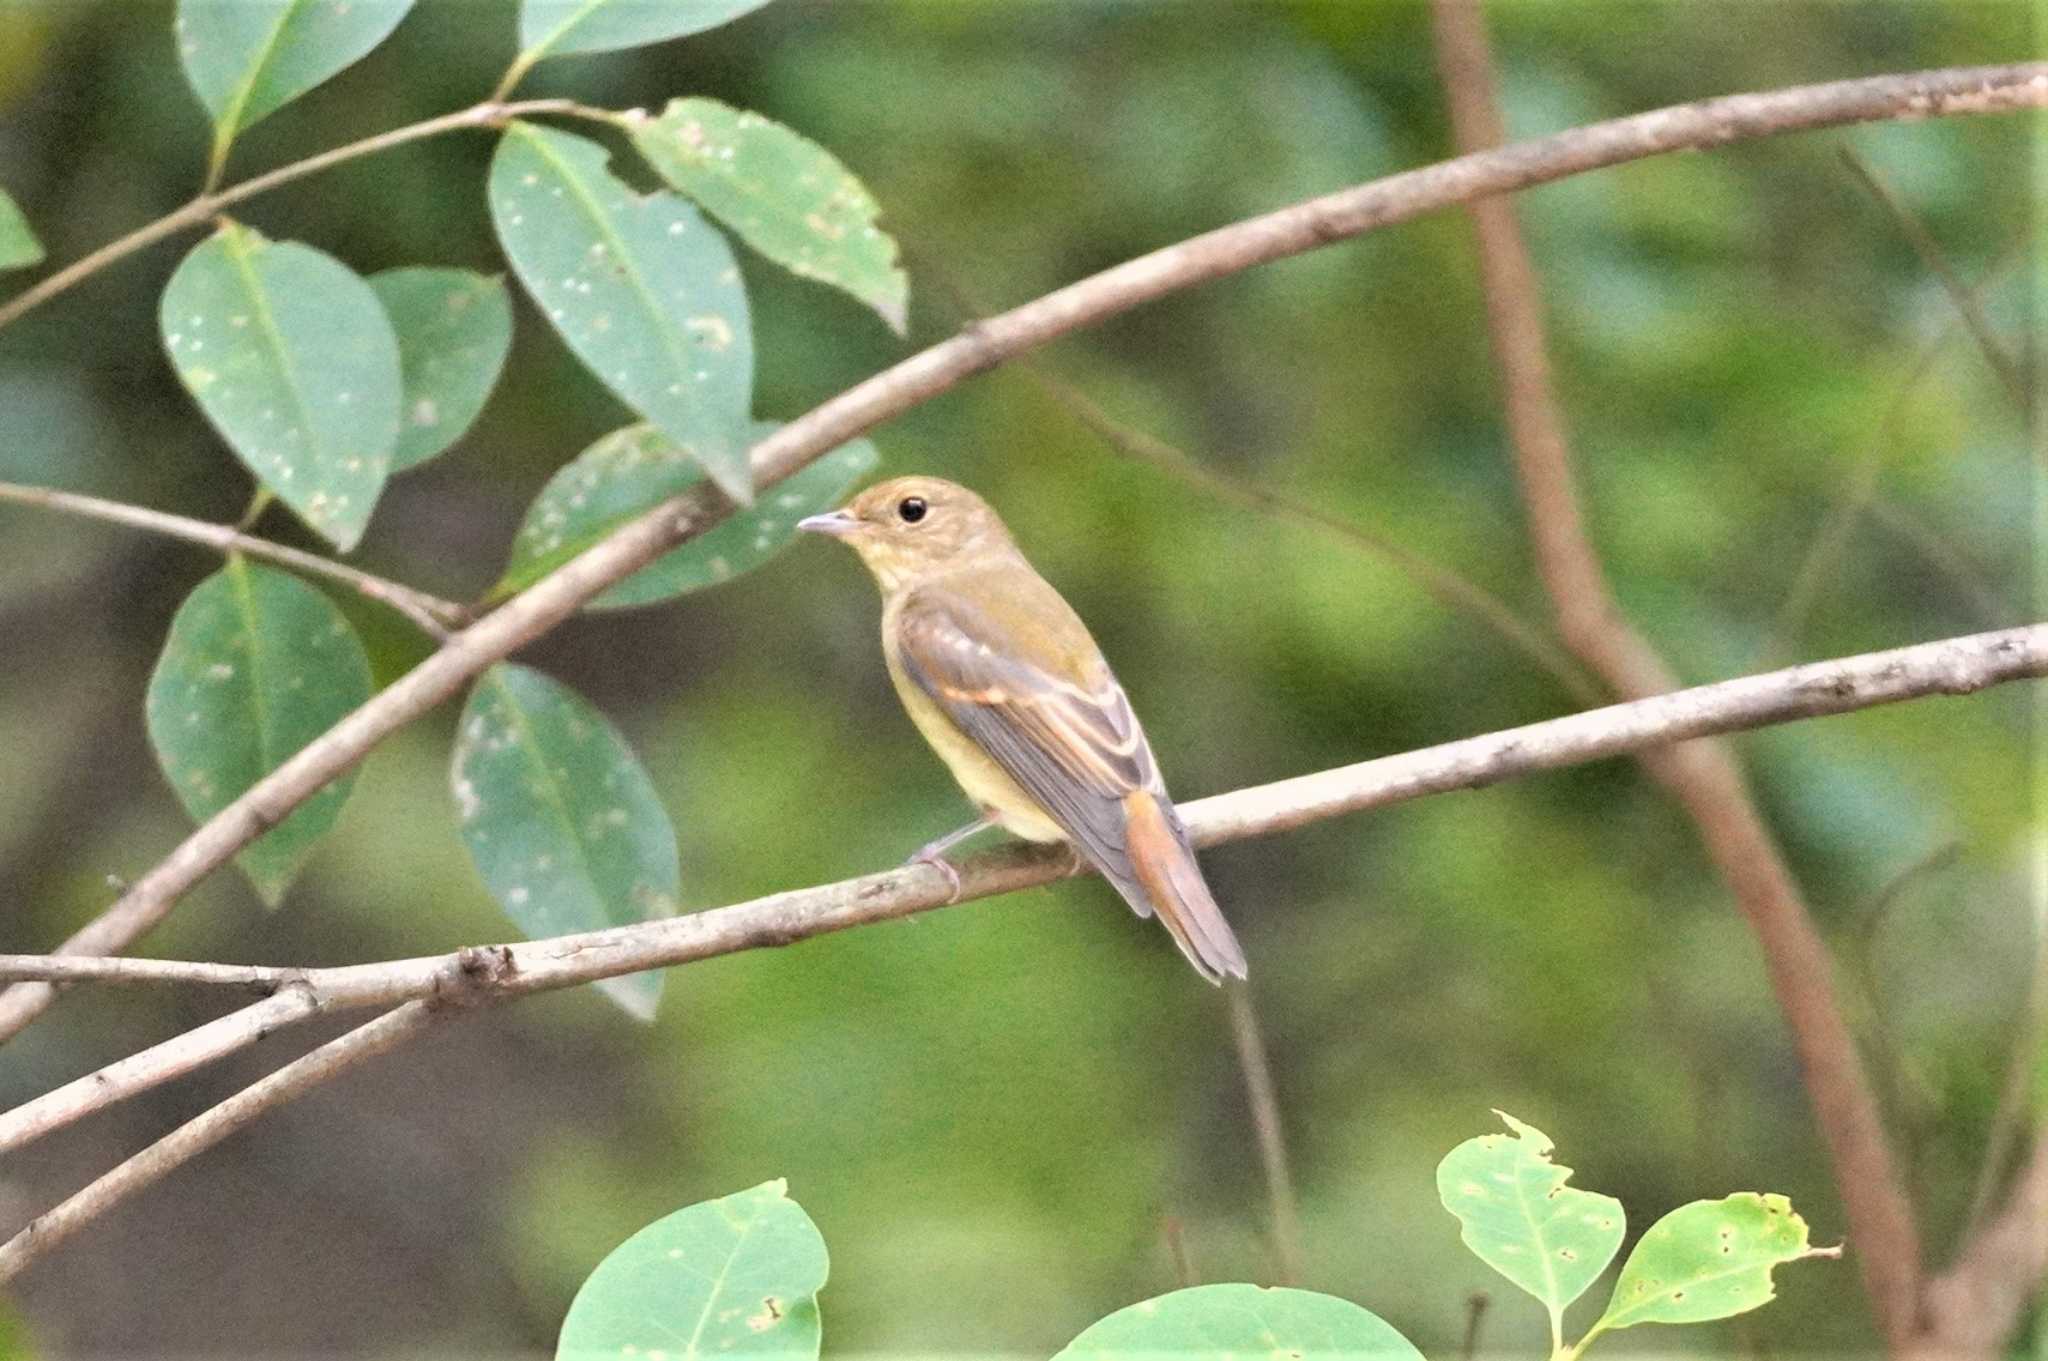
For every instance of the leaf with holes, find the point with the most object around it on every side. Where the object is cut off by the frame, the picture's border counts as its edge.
(785, 195)
(560, 817)
(1521, 1219)
(640, 286)
(247, 59)
(454, 327)
(257, 665)
(1708, 1260)
(291, 357)
(18, 245)
(737, 1276)
(633, 470)
(1214, 1321)
(557, 28)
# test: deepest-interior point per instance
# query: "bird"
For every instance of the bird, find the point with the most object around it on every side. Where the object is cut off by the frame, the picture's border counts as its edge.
(1007, 685)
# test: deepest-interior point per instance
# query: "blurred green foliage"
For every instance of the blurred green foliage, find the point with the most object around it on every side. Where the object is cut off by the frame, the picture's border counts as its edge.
(995, 1112)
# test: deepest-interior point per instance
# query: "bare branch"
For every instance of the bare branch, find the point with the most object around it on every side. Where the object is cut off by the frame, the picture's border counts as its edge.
(1265, 1107)
(431, 614)
(197, 1135)
(1213, 255)
(1954, 666)
(1973, 1307)
(1703, 777)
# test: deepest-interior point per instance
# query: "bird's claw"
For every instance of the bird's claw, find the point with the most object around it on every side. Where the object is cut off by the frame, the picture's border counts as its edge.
(931, 856)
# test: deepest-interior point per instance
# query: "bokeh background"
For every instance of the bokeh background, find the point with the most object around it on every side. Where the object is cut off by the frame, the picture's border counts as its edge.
(999, 1113)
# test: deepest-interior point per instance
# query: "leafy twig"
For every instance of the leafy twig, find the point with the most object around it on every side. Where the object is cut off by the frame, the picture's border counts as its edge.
(433, 615)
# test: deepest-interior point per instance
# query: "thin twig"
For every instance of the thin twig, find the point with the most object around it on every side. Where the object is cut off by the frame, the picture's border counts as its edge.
(200, 210)
(431, 614)
(1703, 777)
(1212, 255)
(1952, 666)
(1264, 1100)
(1475, 1314)
(301, 1075)
(1860, 495)
(1931, 255)
(1973, 1306)
(2008, 1116)
(1445, 586)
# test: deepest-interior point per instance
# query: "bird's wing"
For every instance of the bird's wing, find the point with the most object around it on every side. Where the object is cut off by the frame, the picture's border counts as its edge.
(1072, 744)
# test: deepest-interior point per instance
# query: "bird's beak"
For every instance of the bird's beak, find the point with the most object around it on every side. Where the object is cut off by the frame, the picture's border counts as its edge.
(837, 523)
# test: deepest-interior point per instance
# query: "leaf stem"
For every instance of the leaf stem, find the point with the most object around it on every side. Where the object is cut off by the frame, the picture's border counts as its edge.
(489, 114)
(432, 615)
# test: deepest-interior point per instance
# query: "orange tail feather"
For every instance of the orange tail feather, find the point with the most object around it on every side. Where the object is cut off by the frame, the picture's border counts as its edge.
(1165, 865)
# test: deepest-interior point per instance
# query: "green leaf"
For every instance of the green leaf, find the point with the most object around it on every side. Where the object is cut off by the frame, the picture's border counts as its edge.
(454, 327)
(257, 665)
(18, 245)
(249, 58)
(556, 28)
(632, 470)
(1521, 1219)
(1708, 1260)
(737, 1276)
(561, 818)
(291, 357)
(785, 195)
(640, 286)
(1217, 1322)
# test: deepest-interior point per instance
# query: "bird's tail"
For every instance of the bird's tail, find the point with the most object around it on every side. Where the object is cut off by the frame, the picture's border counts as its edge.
(1171, 884)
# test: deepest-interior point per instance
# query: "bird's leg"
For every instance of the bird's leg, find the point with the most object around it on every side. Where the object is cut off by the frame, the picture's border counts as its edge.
(933, 853)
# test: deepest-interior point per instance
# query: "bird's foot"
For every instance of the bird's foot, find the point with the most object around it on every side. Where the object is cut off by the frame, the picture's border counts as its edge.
(937, 860)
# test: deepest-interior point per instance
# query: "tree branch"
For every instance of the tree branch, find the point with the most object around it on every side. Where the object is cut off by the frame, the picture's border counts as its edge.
(1954, 666)
(1213, 255)
(431, 614)
(202, 1132)
(1703, 777)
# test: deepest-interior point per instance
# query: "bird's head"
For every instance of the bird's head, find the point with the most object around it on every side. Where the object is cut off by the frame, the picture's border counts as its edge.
(911, 527)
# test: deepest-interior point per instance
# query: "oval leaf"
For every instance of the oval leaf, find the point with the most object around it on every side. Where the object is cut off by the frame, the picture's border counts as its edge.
(633, 470)
(561, 818)
(640, 286)
(556, 28)
(257, 665)
(249, 58)
(454, 327)
(1708, 1260)
(1521, 1219)
(785, 195)
(18, 245)
(738, 1276)
(290, 356)
(1212, 1322)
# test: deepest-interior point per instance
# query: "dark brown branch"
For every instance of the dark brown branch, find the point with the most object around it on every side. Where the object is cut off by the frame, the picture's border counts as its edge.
(1702, 776)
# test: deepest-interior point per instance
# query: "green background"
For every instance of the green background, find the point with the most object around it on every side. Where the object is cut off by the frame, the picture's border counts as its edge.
(994, 1113)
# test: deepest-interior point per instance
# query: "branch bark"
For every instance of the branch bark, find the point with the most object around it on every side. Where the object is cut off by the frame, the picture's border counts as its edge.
(1703, 777)
(1213, 255)
(1954, 666)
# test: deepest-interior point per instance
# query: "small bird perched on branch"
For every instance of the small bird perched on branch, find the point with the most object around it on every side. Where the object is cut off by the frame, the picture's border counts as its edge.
(1003, 679)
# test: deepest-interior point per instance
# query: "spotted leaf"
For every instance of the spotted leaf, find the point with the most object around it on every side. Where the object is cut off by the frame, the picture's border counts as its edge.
(1522, 1220)
(641, 287)
(1708, 1260)
(560, 817)
(632, 470)
(738, 1276)
(248, 58)
(291, 357)
(785, 195)
(454, 327)
(257, 665)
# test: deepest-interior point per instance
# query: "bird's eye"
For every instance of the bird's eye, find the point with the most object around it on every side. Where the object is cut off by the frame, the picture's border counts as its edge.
(911, 509)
